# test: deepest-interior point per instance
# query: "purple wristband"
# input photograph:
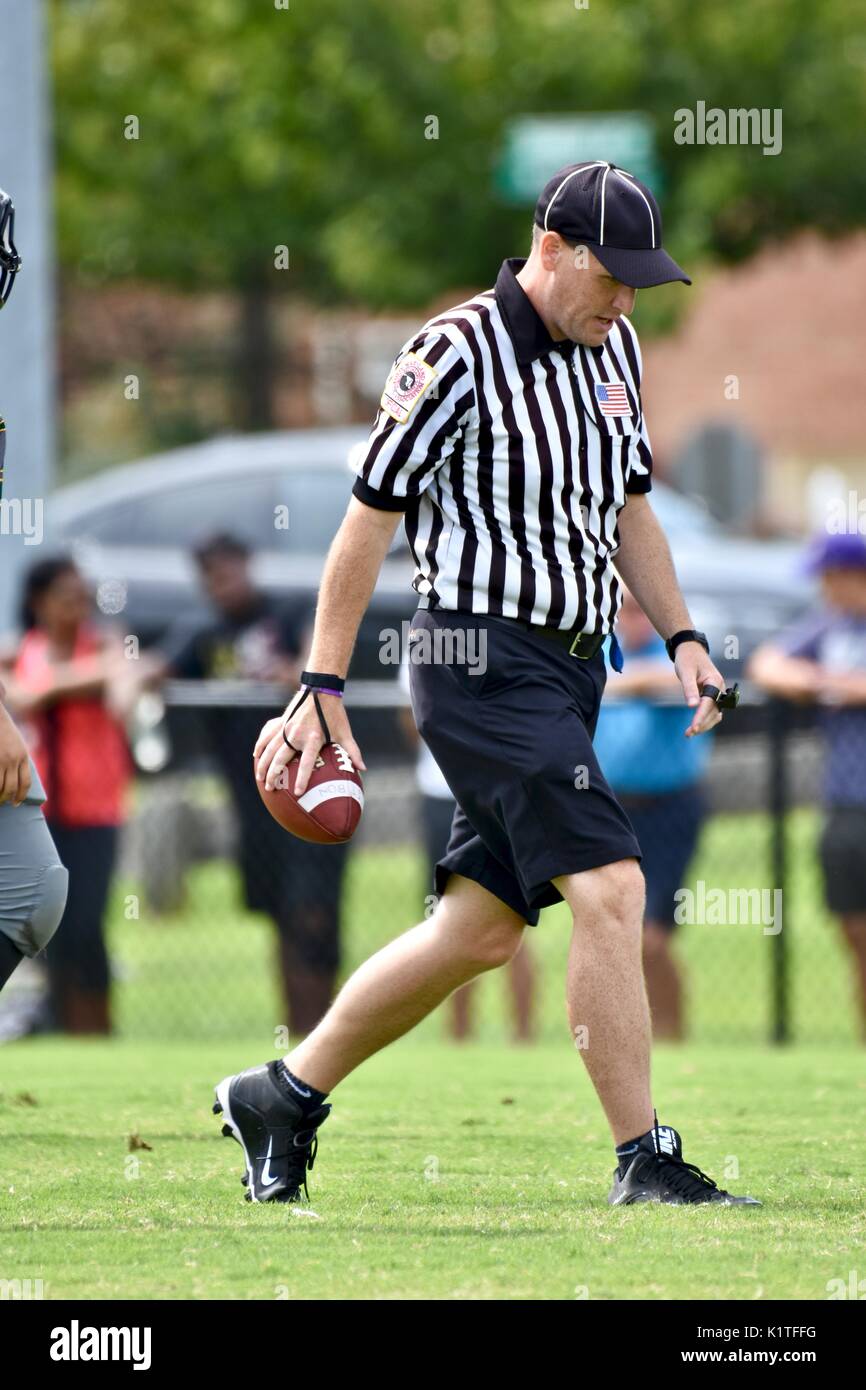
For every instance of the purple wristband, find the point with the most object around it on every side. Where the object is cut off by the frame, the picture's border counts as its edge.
(322, 690)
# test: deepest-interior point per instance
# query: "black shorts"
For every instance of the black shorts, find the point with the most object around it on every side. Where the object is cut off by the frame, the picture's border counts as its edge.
(843, 862)
(514, 744)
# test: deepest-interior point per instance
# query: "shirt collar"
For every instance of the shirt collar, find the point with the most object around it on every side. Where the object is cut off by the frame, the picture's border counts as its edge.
(525, 326)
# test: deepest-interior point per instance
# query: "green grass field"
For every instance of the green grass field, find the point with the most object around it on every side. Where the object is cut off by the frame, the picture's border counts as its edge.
(474, 1172)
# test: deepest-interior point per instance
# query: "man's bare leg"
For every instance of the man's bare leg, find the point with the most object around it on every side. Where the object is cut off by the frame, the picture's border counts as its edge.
(606, 995)
(854, 929)
(663, 983)
(521, 981)
(462, 1001)
(471, 931)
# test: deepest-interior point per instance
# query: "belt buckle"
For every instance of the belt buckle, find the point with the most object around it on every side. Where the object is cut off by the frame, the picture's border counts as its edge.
(594, 641)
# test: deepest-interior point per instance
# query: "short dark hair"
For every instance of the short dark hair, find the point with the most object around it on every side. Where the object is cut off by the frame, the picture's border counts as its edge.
(38, 580)
(221, 546)
(538, 233)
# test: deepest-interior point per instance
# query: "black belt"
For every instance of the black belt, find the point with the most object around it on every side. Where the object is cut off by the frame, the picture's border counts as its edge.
(581, 644)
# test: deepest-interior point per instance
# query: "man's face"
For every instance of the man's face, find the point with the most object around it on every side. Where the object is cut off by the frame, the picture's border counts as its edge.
(65, 604)
(227, 582)
(845, 588)
(584, 300)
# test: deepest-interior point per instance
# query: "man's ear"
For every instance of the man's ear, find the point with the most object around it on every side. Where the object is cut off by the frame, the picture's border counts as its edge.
(551, 247)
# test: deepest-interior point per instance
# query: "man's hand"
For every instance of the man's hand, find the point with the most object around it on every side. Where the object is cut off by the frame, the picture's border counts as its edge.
(304, 731)
(15, 776)
(694, 668)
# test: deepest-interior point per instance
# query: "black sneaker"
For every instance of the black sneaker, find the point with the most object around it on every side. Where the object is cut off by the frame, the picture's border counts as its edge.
(657, 1173)
(278, 1140)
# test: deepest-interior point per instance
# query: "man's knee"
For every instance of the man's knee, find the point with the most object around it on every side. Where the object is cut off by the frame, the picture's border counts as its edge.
(615, 892)
(32, 932)
(493, 944)
(486, 932)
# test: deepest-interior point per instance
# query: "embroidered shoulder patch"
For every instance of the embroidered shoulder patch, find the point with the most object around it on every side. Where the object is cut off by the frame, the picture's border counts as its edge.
(407, 383)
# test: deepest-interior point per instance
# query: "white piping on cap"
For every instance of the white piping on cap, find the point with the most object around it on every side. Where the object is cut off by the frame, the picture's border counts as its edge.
(595, 163)
(603, 182)
(633, 184)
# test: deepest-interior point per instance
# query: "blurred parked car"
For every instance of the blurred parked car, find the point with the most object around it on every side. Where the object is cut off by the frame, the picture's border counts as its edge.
(132, 528)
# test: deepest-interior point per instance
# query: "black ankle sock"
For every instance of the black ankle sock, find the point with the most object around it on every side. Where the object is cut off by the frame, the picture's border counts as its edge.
(626, 1152)
(303, 1094)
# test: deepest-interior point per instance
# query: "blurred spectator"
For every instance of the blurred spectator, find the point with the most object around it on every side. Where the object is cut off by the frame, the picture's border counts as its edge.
(298, 885)
(437, 811)
(822, 660)
(655, 772)
(61, 685)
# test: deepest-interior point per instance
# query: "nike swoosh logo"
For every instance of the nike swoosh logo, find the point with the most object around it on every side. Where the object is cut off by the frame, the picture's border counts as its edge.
(267, 1179)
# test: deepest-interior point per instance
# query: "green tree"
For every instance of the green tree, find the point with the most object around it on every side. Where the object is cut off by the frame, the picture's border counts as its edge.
(310, 128)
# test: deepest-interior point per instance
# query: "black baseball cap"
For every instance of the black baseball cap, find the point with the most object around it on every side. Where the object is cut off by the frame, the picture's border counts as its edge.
(615, 215)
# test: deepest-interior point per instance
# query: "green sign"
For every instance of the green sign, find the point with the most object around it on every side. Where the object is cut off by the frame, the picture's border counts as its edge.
(536, 146)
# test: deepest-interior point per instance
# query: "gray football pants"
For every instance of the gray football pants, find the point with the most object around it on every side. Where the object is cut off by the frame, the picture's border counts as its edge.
(33, 882)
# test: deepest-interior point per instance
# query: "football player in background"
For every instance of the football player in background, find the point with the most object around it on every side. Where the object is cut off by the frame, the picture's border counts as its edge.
(33, 882)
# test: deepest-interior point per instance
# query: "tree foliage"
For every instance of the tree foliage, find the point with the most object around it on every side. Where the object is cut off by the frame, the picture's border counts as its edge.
(307, 127)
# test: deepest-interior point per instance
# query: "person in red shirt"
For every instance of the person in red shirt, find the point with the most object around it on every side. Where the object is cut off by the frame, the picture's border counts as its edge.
(60, 686)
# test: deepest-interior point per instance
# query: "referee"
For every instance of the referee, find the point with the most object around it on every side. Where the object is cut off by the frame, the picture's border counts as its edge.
(511, 438)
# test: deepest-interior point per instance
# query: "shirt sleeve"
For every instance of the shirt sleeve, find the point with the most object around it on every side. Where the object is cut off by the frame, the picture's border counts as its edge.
(640, 461)
(640, 458)
(427, 398)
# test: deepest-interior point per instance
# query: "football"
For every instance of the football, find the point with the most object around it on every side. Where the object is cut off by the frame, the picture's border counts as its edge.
(329, 811)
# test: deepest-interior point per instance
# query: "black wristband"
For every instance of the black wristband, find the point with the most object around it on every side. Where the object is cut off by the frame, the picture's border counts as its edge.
(317, 681)
(686, 635)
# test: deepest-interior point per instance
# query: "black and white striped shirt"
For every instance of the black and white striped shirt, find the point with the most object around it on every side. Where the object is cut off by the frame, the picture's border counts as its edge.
(511, 455)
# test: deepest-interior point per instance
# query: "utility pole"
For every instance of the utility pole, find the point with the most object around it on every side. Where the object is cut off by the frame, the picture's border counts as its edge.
(27, 337)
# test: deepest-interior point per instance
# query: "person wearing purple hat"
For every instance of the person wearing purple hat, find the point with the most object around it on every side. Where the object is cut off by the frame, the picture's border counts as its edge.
(821, 659)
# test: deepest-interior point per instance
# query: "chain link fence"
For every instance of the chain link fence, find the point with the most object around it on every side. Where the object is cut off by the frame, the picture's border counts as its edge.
(218, 924)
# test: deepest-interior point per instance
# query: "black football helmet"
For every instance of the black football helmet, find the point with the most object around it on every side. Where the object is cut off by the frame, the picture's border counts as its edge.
(10, 261)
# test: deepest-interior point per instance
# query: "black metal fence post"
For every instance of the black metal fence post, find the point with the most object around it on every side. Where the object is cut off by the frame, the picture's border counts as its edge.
(778, 713)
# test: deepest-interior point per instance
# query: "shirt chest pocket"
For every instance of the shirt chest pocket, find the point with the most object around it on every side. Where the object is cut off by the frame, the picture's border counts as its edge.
(607, 414)
(603, 428)
(608, 406)
(608, 449)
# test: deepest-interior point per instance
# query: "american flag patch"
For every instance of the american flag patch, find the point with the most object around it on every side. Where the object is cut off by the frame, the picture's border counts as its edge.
(612, 398)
